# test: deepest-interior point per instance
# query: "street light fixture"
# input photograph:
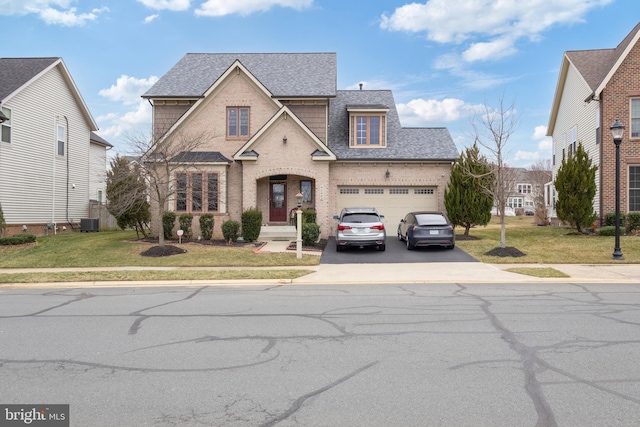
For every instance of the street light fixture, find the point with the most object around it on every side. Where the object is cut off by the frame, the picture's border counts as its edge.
(617, 130)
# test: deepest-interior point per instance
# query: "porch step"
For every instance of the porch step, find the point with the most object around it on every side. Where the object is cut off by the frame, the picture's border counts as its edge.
(277, 233)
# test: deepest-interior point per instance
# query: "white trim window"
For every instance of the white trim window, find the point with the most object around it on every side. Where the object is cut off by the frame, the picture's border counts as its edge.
(6, 126)
(524, 188)
(635, 117)
(61, 139)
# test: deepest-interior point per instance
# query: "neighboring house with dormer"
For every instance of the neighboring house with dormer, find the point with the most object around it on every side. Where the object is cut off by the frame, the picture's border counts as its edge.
(596, 87)
(277, 126)
(51, 162)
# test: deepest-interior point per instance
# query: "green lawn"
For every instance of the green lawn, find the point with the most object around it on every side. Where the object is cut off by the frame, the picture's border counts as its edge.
(542, 245)
(547, 245)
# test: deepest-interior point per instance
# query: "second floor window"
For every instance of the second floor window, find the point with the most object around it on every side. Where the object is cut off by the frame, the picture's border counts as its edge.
(6, 126)
(368, 131)
(524, 188)
(635, 118)
(237, 122)
(61, 136)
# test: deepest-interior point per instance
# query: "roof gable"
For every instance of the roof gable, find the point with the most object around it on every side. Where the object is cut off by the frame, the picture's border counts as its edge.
(247, 152)
(236, 67)
(18, 73)
(283, 74)
(596, 67)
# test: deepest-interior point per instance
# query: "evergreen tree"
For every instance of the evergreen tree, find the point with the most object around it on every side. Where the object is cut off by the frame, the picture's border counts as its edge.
(576, 187)
(466, 198)
(127, 195)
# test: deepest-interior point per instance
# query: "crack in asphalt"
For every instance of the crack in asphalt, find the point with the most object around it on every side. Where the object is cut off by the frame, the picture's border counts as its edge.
(297, 404)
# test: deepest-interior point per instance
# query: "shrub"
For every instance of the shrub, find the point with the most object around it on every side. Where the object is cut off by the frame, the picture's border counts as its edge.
(186, 223)
(610, 219)
(3, 224)
(230, 231)
(634, 221)
(18, 239)
(608, 230)
(251, 222)
(308, 216)
(310, 233)
(168, 220)
(206, 226)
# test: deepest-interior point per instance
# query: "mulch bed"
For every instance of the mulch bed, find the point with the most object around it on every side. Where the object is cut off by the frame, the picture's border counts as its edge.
(160, 251)
(320, 246)
(168, 249)
(508, 251)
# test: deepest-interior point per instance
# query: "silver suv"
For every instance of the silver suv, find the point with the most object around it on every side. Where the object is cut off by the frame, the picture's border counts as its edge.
(360, 227)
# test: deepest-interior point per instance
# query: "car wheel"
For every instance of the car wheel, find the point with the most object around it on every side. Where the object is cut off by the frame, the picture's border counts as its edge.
(409, 246)
(451, 247)
(381, 248)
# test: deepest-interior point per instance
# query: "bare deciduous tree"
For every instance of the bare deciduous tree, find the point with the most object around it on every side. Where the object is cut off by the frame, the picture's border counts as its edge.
(160, 158)
(492, 128)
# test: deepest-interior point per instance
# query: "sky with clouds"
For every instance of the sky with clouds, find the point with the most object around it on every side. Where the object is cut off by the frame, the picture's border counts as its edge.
(443, 59)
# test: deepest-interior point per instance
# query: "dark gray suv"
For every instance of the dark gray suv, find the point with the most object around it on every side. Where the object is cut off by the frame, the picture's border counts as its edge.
(360, 227)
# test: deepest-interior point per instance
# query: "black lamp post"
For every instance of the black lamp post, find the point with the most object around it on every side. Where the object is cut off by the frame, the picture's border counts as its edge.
(617, 130)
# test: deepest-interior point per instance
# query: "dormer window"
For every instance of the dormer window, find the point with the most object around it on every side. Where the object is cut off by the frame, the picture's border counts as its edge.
(367, 126)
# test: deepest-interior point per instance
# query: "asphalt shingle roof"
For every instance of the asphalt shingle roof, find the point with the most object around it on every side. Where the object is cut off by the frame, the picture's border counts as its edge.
(15, 72)
(402, 143)
(201, 157)
(594, 65)
(283, 74)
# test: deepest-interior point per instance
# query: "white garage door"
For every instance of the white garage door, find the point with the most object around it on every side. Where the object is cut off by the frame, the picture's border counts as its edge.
(392, 202)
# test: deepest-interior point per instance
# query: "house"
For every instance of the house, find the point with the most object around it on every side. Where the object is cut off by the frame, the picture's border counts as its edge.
(596, 87)
(272, 126)
(525, 190)
(51, 162)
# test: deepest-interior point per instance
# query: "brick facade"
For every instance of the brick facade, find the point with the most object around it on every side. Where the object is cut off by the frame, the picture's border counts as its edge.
(615, 104)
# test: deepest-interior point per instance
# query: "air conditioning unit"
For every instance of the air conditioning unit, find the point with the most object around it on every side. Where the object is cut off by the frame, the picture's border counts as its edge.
(89, 224)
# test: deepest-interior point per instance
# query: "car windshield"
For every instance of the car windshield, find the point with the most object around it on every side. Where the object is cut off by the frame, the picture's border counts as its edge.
(431, 219)
(360, 218)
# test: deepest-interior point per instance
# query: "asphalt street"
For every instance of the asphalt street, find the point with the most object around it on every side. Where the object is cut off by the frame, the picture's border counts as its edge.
(545, 354)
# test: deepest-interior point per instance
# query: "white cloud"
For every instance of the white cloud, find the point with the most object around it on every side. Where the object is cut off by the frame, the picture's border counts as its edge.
(540, 133)
(132, 113)
(246, 7)
(128, 89)
(150, 18)
(53, 12)
(491, 28)
(173, 5)
(119, 125)
(427, 111)
(69, 17)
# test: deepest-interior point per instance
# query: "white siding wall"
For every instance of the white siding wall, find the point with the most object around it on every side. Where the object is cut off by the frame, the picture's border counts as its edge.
(574, 111)
(97, 171)
(33, 178)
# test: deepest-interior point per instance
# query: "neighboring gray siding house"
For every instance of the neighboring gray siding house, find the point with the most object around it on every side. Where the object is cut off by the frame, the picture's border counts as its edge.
(51, 164)
(278, 126)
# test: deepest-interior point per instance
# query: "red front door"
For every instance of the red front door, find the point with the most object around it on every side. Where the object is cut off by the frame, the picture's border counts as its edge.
(278, 206)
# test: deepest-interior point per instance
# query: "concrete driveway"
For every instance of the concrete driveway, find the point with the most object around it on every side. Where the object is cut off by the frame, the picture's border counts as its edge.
(396, 253)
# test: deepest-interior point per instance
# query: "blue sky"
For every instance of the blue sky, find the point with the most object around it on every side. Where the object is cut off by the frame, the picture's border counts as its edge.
(441, 58)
